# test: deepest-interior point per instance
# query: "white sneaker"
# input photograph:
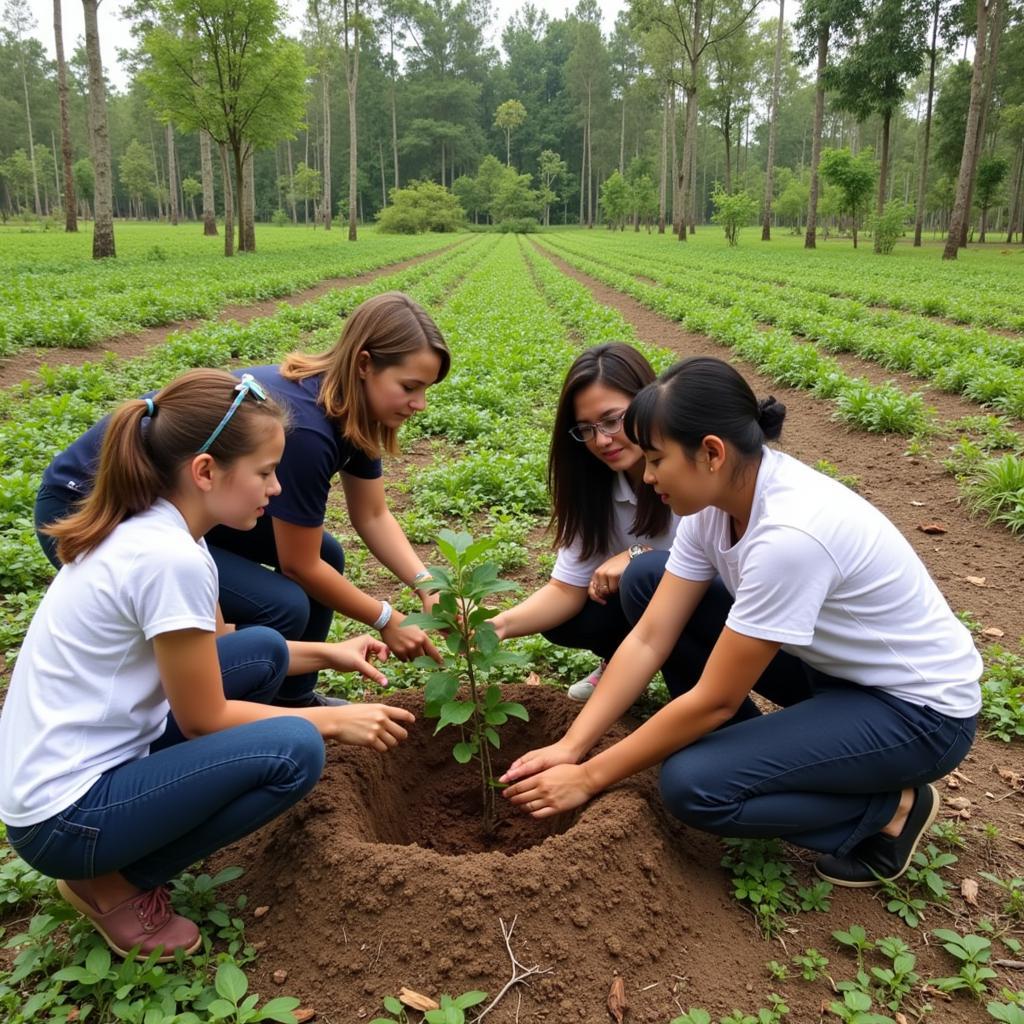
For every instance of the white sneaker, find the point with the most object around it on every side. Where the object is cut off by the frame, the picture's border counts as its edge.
(582, 690)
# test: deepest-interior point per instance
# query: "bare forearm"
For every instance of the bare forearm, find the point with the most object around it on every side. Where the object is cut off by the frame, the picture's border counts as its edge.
(325, 584)
(627, 675)
(546, 608)
(678, 724)
(241, 712)
(389, 545)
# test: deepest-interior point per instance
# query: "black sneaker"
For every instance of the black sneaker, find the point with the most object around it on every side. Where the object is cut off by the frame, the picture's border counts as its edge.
(313, 700)
(881, 858)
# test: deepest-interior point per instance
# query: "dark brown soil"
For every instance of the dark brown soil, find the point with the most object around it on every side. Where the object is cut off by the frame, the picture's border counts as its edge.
(367, 893)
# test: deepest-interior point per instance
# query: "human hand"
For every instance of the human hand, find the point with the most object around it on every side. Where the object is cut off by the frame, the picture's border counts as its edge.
(429, 600)
(558, 789)
(354, 656)
(408, 642)
(534, 761)
(376, 726)
(605, 580)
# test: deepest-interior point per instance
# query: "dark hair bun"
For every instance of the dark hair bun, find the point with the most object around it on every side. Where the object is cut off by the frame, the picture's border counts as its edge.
(770, 416)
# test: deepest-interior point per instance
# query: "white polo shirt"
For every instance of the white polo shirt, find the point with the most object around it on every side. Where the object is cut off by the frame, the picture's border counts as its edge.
(824, 573)
(575, 571)
(85, 695)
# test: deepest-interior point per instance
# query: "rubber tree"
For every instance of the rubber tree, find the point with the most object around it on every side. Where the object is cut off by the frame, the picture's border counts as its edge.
(99, 138)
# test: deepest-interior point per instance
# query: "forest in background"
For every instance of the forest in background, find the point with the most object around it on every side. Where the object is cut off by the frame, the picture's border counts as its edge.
(683, 98)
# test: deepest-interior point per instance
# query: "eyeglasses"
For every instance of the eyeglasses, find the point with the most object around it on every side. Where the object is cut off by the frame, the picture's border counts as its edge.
(609, 426)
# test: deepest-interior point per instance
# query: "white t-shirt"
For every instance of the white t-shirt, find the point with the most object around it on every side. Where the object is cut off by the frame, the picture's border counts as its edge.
(85, 695)
(572, 569)
(824, 573)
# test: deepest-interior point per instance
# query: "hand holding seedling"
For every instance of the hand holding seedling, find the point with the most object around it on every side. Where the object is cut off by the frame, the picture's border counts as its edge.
(533, 762)
(406, 640)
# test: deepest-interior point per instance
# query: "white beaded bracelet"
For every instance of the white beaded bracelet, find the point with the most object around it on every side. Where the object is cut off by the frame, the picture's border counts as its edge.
(385, 616)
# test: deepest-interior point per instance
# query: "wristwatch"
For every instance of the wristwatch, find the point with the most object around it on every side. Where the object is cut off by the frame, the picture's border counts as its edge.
(638, 549)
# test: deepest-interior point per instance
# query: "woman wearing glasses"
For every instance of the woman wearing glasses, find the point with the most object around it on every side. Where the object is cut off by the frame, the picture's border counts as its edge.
(345, 407)
(603, 515)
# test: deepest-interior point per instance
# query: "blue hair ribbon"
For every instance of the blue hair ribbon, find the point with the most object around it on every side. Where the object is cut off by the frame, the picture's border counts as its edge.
(247, 385)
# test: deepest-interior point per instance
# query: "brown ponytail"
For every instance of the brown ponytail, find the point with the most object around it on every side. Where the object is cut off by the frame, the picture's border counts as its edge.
(142, 453)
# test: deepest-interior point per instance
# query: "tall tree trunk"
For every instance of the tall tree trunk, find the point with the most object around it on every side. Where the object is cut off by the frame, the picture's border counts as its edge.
(961, 209)
(229, 202)
(773, 130)
(727, 136)
(352, 86)
(810, 238)
(883, 175)
(103, 201)
(922, 182)
(590, 158)
(206, 164)
(394, 114)
(70, 211)
(328, 204)
(172, 174)
(291, 183)
(1017, 197)
(663, 183)
(583, 173)
(248, 203)
(995, 34)
(693, 190)
(383, 183)
(622, 135)
(675, 164)
(689, 141)
(28, 122)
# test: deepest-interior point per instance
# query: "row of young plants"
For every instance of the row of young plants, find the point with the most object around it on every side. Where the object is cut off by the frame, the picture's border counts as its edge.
(75, 302)
(984, 292)
(983, 367)
(875, 408)
(991, 478)
(38, 418)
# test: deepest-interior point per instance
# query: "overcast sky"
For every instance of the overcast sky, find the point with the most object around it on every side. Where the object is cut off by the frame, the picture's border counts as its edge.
(114, 31)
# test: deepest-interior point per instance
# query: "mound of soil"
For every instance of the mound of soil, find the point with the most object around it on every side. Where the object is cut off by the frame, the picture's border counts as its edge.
(382, 879)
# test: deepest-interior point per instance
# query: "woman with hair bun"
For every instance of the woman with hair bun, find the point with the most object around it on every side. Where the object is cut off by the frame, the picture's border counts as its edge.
(778, 575)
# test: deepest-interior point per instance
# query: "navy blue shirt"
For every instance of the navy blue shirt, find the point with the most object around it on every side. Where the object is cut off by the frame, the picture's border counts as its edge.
(314, 453)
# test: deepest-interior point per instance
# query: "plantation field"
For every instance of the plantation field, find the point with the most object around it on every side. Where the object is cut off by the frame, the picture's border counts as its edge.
(903, 376)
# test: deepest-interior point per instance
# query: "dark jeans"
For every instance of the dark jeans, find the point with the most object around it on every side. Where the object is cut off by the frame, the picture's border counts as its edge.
(152, 817)
(251, 594)
(824, 773)
(598, 628)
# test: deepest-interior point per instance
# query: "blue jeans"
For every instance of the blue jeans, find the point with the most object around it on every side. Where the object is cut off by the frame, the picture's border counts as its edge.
(153, 817)
(824, 773)
(250, 593)
(598, 628)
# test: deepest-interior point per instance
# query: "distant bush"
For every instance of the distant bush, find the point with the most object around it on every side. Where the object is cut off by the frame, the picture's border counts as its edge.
(421, 206)
(733, 211)
(279, 218)
(889, 226)
(519, 226)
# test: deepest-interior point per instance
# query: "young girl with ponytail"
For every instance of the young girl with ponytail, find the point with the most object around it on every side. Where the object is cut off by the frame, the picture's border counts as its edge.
(345, 406)
(138, 733)
(777, 574)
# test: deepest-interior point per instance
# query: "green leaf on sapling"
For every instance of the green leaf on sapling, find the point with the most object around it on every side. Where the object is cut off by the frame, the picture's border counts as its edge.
(455, 712)
(463, 752)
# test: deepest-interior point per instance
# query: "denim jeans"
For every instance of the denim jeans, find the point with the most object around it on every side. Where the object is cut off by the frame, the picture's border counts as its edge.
(597, 627)
(152, 817)
(824, 772)
(251, 594)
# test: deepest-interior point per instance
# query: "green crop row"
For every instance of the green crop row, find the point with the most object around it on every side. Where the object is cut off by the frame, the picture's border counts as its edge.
(985, 295)
(39, 418)
(880, 408)
(983, 367)
(70, 301)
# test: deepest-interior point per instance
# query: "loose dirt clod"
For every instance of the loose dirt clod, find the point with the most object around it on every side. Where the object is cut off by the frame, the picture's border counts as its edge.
(279, 977)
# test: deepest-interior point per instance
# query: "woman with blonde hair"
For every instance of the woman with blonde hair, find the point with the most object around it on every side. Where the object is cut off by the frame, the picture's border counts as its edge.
(345, 407)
